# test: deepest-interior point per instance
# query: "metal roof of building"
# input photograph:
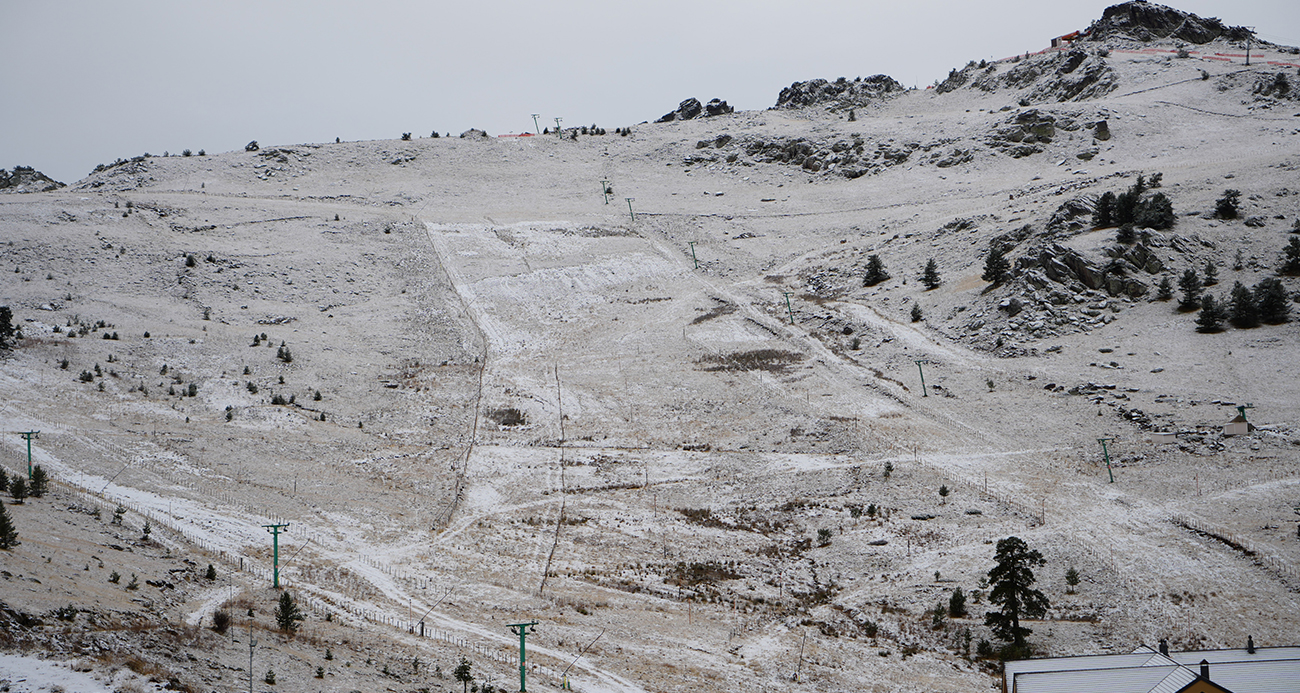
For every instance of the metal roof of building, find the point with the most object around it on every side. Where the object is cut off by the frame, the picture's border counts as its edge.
(1268, 670)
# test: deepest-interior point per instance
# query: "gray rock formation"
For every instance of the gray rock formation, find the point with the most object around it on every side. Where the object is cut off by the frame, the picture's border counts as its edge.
(25, 179)
(840, 94)
(691, 108)
(1145, 21)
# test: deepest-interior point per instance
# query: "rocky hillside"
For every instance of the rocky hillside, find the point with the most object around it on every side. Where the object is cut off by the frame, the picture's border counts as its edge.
(25, 179)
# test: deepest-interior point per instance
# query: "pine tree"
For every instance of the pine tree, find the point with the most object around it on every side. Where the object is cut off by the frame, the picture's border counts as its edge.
(287, 614)
(1227, 207)
(995, 267)
(1012, 581)
(916, 312)
(1164, 290)
(4, 479)
(1211, 274)
(1126, 234)
(1072, 580)
(1155, 212)
(875, 271)
(8, 535)
(1271, 301)
(1190, 285)
(930, 277)
(1126, 207)
(957, 604)
(1104, 213)
(1291, 257)
(1245, 313)
(462, 673)
(18, 488)
(6, 328)
(40, 482)
(1210, 319)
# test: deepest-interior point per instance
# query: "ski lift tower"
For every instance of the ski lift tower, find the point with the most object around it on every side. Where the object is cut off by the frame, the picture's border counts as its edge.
(522, 630)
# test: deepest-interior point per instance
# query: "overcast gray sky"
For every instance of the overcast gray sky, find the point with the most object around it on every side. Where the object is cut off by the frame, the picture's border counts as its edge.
(88, 81)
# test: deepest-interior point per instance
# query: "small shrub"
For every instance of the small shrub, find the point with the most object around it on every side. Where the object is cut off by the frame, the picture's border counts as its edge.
(114, 577)
(823, 537)
(220, 620)
(134, 584)
(270, 677)
(1228, 206)
(211, 574)
(406, 136)
(252, 387)
(916, 312)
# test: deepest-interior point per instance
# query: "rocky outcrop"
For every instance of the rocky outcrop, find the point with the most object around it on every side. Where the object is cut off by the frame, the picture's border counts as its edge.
(1020, 135)
(25, 179)
(1145, 21)
(691, 108)
(1073, 75)
(840, 94)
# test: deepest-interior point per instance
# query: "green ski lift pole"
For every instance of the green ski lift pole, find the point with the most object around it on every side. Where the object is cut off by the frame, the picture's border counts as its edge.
(629, 207)
(557, 127)
(695, 259)
(275, 550)
(787, 295)
(522, 630)
(1107, 455)
(29, 435)
(536, 127)
(924, 392)
(604, 189)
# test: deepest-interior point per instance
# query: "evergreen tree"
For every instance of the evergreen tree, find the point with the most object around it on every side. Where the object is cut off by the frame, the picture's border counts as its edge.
(1155, 212)
(287, 614)
(4, 479)
(18, 488)
(957, 604)
(996, 267)
(1227, 207)
(1072, 580)
(930, 277)
(1190, 285)
(875, 271)
(1012, 581)
(462, 673)
(1126, 234)
(916, 312)
(1291, 257)
(211, 574)
(1104, 213)
(40, 482)
(6, 328)
(1210, 319)
(8, 535)
(1165, 289)
(1245, 313)
(1126, 207)
(1271, 301)
(1211, 274)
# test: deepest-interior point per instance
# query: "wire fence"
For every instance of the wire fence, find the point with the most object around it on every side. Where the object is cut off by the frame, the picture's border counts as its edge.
(354, 587)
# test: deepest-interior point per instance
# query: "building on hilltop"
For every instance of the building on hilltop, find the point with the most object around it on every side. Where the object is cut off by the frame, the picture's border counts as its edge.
(1247, 670)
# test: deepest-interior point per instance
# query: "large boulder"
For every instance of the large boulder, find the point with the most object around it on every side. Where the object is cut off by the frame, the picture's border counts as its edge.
(686, 110)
